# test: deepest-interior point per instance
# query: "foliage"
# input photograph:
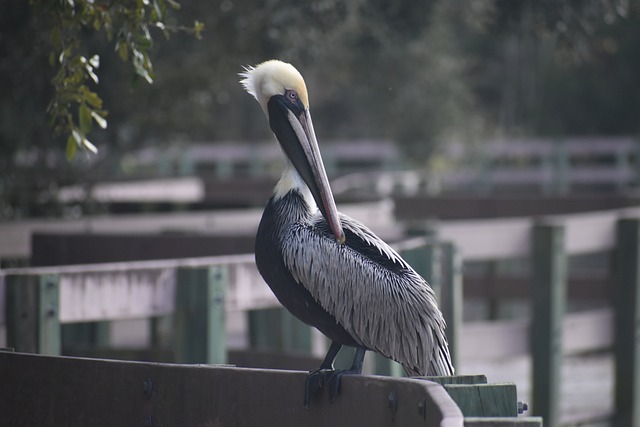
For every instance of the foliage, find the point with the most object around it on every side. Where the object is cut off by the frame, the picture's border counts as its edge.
(420, 73)
(127, 24)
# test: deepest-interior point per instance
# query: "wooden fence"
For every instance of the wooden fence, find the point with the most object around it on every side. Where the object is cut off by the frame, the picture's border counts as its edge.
(548, 166)
(198, 292)
(40, 299)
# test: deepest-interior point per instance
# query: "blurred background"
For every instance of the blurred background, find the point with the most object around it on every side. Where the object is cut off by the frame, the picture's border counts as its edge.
(426, 84)
(427, 113)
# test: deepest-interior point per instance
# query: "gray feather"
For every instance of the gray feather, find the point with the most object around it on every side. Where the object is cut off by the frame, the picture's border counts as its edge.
(392, 312)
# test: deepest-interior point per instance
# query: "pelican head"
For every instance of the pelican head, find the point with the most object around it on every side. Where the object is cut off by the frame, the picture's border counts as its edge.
(282, 94)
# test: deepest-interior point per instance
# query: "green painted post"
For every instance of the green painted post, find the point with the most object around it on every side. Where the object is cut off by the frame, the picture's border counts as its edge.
(637, 162)
(296, 335)
(427, 261)
(200, 315)
(549, 266)
(451, 301)
(277, 329)
(48, 314)
(264, 330)
(21, 297)
(622, 163)
(627, 324)
(32, 314)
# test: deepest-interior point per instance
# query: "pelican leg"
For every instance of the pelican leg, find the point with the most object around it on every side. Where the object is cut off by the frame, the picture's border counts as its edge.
(356, 369)
(316, 378)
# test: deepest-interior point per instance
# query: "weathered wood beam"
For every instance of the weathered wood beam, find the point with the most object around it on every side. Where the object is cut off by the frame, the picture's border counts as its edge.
(627, 324)
(549, 265)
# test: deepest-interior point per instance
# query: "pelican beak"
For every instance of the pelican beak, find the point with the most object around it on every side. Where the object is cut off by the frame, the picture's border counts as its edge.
(292, 125)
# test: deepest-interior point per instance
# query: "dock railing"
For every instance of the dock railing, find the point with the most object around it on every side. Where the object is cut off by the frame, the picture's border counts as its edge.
(199, 291)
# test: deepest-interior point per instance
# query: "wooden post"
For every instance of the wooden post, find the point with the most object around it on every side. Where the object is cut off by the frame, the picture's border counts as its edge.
(427, 261)
(48, 310)
(627, 324)
(200, 314)
(277, 329)
(32, 314)
(549, 294)
(451, 301)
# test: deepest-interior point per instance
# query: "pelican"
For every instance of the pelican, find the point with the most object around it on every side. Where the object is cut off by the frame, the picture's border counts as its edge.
(327, 269)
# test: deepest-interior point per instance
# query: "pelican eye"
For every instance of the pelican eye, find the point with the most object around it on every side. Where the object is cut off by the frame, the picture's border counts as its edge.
(291, 95)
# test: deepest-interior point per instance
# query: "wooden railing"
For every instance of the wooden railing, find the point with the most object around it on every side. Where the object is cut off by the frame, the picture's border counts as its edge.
(41, 390)
(40, 299)
(550, 166)
(198, 292)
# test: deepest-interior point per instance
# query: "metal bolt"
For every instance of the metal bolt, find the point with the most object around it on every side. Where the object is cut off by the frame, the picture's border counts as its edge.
(147, 386)
(393, 402)
(522, 407)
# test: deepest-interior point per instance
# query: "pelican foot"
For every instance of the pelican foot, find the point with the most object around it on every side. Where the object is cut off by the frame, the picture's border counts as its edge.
(316, 380)
(334, 381)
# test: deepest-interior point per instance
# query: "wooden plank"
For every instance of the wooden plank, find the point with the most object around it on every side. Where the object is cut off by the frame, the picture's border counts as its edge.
(449, 207)
(32, 314)
(49, 337)
(485, 400)
(22, 313)
(41, 390)
(503, 422)
(627, 324)
(451, 301)
(588, 331)
(459, 379)
(491, 340)
(49, 249)
(3, 299)
(16, 235)
(549, 283)
(592, 288)
(101, 295)
(489, 238)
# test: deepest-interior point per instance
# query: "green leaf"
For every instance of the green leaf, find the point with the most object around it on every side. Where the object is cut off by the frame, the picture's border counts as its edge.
(84, 115)
(174, 4)
(89, 69)
(144, 43)
(95, 61)
(198, 28)
(89, 146)
(90, 97)
(72, 147)
(56, 38)
(102, 122)
(123, 51)
(77, 135)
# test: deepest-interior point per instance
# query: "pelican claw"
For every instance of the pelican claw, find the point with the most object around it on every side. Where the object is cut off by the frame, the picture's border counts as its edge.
(316, 380)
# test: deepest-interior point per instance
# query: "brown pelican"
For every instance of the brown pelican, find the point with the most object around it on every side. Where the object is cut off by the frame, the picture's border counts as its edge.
(330, 270)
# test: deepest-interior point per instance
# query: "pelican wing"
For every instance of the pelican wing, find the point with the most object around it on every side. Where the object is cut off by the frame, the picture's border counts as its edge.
(372, 292)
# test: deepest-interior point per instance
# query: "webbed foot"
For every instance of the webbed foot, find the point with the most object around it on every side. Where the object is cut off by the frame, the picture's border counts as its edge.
(334, 381)
(316, 380)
